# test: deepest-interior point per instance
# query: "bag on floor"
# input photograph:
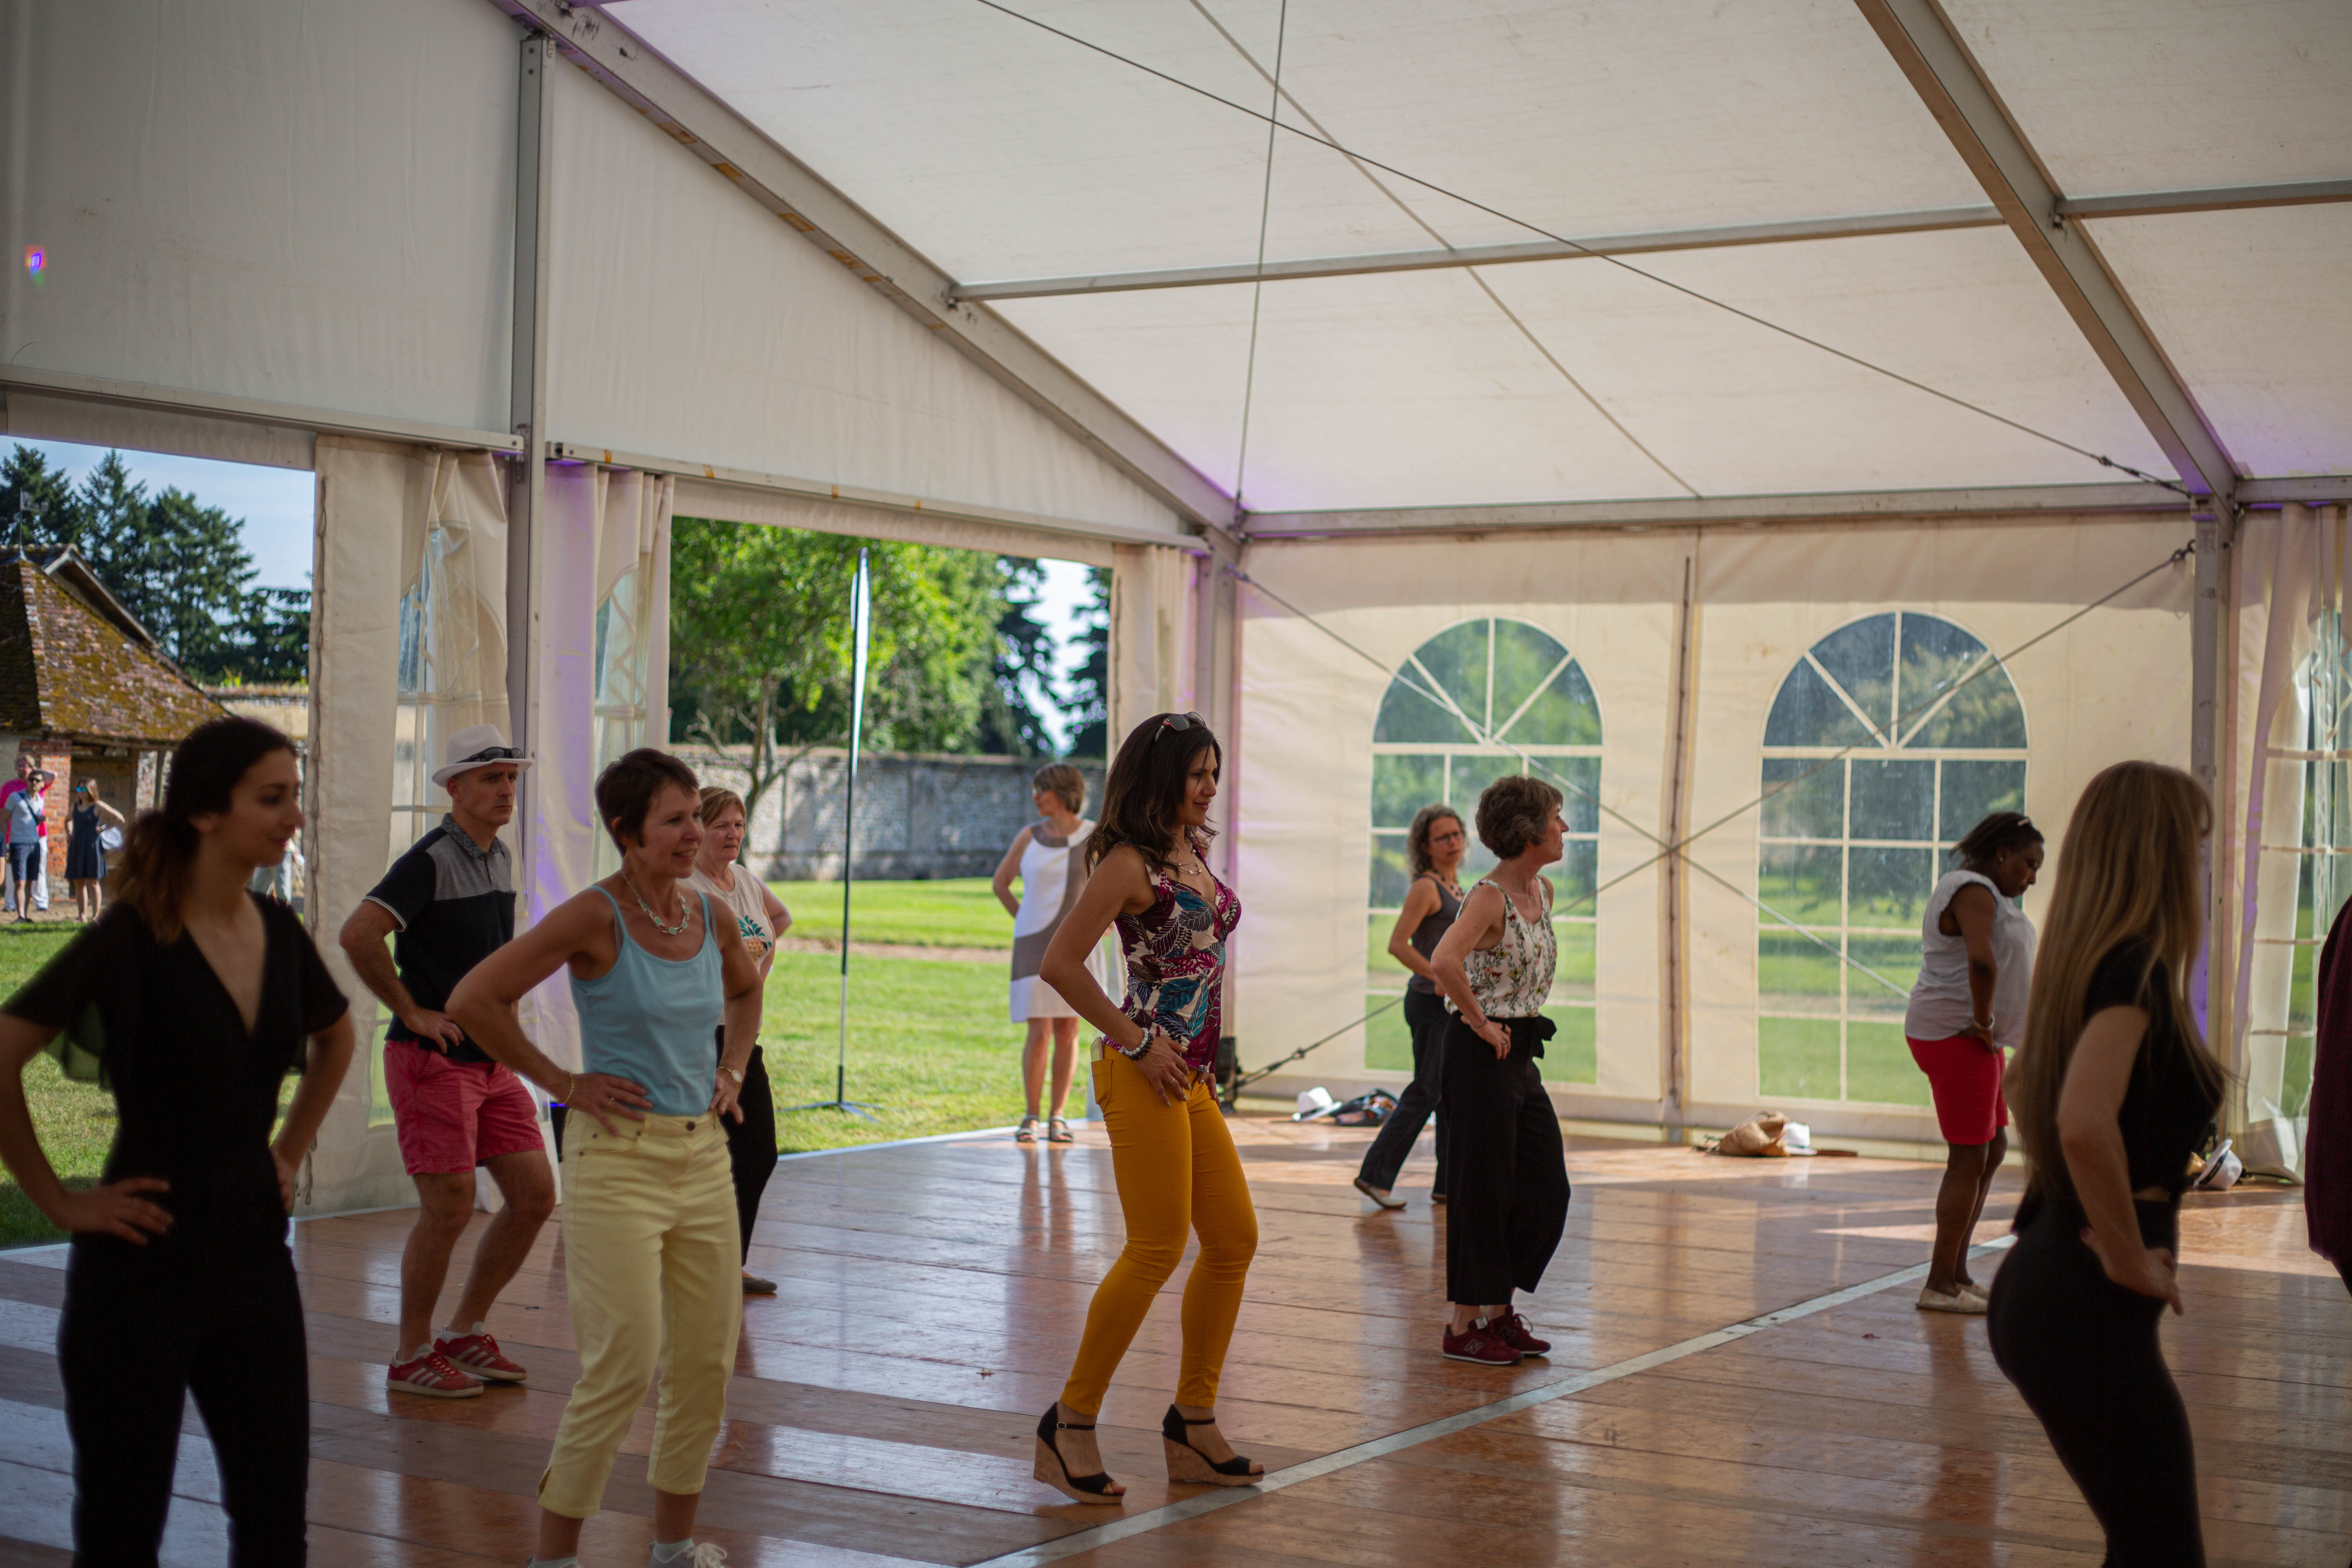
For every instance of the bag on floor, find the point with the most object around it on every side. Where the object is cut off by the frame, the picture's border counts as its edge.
(1364, 1110)
(1757, 1138)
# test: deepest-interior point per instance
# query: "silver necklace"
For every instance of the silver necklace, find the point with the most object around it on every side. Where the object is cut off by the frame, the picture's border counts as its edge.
(666, 931)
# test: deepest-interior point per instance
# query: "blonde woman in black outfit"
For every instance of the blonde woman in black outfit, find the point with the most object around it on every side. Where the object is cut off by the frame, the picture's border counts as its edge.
(2112, 1094)
(197, 998)
(1434, 844)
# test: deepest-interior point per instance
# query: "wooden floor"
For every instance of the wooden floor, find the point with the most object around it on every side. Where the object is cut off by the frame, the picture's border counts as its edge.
(883, 1409)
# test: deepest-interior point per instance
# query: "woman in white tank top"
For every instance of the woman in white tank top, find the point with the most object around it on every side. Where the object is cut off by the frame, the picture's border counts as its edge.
(1967, 1009)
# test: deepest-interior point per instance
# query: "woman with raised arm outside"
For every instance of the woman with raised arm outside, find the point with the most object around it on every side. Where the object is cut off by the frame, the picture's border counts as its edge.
(760, 918)
(652, 1258)
(1045, 855)
(1506, 1202)
(1171, 1152)
(2113, 1093)
(1434, 844)
(196, 998)
(1966, 1013)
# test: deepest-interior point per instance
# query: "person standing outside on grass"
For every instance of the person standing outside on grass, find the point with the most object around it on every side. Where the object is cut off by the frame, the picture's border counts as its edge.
(760, 918)
(1968, 1011)
(25, 810)
(1171, 1154)
(197, 998)
(1508, 1204)
(651, 1254)
(1045, 855)
(448, 904)
(85, 855)
(2113, 1090)
(1434, 842)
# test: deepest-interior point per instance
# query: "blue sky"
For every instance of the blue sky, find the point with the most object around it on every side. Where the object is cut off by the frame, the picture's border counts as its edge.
(275, 506)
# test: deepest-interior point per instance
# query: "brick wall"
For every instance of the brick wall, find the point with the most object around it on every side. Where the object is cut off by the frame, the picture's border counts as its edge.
(919, 816)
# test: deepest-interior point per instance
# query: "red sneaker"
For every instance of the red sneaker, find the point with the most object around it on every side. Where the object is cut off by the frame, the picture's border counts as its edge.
(479, 1354)
(431, 1374)
(1512, 1329)
(1479, 1342)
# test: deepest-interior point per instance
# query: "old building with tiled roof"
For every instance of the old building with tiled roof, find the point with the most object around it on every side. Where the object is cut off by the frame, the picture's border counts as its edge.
(85, 689)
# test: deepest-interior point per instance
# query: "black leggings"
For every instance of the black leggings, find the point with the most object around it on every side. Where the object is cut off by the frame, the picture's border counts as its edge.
(751, 1142)
(2084, 1352)
(135, 1342)
(1508, 1203)
(1425, 1016)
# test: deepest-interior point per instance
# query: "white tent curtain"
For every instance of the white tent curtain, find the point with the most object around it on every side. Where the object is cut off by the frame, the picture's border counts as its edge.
(602, 685)
(2294, 690)
(1152, 625)
(452, 637)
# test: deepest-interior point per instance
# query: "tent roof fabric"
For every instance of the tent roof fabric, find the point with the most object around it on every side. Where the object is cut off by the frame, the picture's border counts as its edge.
(1003, 151)
(81, 669)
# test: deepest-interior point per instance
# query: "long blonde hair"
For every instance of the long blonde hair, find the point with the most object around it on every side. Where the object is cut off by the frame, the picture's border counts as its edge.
(2127, 870)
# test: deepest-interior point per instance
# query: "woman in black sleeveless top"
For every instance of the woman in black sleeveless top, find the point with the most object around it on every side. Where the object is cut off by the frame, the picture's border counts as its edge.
(1436, 843)
(2112, 1094)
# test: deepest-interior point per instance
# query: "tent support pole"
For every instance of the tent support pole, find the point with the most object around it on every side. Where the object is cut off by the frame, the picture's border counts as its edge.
(2216, 537)
(1673, 873)
(527, 395)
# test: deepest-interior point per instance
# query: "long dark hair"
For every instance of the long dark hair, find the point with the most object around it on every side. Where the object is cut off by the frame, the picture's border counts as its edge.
(160, 856)
(1145, 787)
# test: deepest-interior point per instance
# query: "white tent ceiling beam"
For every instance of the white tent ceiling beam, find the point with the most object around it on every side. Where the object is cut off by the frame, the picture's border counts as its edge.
(882, 501)
(252, 410)
(1678, 512)
(1946, 77)
(640, 77)
(2140, 204)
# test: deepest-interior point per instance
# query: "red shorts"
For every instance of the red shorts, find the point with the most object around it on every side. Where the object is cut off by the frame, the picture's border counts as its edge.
(453, 1116)
(1964, 1075)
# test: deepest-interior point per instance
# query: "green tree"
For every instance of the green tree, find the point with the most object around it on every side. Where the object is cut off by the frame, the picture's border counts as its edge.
(1011, 720)
(761, 649)
(38, 509)
(1088, 704)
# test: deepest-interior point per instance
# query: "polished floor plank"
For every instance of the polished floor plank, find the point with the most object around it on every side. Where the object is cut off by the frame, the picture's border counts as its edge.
(883, 1408)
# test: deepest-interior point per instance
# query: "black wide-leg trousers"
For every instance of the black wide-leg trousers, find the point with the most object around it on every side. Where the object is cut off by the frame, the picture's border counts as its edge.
(1507, 1173)
(751, 1142)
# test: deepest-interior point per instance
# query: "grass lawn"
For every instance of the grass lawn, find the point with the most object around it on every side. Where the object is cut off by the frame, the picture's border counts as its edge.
(76, 1120)
(959, 911)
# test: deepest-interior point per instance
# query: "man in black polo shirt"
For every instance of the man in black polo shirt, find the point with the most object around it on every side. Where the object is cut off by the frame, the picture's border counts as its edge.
(449, 903)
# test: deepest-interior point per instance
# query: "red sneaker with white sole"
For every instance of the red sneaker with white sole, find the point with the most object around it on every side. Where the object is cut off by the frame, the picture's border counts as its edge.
(479, 1354)
(1479, 1342)
(1511, 1328)
(432, 1374)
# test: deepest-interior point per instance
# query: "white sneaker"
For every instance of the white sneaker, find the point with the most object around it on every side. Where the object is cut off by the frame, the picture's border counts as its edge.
(1961, 1300)
(701, 1555)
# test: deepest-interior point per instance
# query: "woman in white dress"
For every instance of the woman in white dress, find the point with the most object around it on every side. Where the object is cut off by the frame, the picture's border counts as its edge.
(1045, 855)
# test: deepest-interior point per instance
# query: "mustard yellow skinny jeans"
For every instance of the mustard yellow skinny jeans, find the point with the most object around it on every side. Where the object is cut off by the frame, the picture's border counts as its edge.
(1177, 1171)
(655, 1285)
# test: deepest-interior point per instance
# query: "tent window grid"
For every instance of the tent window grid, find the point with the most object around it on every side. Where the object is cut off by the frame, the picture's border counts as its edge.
(1852, 852)
(1510, 687)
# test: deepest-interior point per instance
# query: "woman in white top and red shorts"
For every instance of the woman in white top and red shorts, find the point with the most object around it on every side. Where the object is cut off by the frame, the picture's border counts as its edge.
(1968, 1010)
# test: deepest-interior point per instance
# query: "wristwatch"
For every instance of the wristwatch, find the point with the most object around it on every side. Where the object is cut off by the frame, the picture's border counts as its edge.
(730, 1072)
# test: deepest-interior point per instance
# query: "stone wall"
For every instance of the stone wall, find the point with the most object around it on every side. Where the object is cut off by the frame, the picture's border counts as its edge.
(919, 816)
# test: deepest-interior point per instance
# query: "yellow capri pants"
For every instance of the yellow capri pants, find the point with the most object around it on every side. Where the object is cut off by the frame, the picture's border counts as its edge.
(1177, 1171)
(652, 1257)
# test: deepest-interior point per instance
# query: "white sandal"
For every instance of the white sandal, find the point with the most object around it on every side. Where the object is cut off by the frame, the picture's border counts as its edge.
(1027, 1131)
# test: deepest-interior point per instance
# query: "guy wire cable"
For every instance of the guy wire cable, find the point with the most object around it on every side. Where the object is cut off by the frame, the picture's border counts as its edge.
(1274, 121)
(1258, 287)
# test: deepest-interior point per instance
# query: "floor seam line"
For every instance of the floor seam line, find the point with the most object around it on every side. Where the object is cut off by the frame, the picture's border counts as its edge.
(1104, 1534)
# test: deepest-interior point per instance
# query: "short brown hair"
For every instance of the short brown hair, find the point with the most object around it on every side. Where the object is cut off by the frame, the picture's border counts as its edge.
(1063, 780)
(626, 791)
(1514, 812)
(716, 798)
(1417, 836)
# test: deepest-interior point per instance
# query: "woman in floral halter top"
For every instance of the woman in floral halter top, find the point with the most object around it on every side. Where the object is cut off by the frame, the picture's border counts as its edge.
(1147, 873)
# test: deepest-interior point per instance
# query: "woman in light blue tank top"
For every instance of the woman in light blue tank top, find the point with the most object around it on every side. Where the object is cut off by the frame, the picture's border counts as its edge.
(650, 1234)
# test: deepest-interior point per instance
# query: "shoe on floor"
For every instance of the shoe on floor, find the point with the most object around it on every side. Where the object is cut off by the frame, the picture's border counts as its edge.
(1027, 1131)
(1480, 1343)
(1386, 1200)
(1437, 1197)
(1963, 1301)
(478, 1356)
(1973, 1289)
(432, 1374)
(1058, 1132)
(1511, 1328)
(755, 1286)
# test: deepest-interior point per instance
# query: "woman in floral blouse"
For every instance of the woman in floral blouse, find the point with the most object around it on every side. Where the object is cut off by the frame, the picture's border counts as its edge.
(1172, 1157)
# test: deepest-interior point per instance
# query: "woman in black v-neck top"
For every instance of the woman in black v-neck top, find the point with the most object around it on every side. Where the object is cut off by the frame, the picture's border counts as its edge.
(192, 999)
(2112, 1094)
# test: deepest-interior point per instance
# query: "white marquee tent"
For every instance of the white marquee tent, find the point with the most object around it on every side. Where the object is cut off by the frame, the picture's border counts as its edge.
(1682, 399)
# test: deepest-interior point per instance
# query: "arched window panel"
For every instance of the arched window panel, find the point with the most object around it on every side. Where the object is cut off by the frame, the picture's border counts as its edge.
(1888, 740)
(1458, 713)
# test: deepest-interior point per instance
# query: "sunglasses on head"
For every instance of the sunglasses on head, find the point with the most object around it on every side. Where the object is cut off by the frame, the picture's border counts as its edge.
(491, 754)
(1181, 721)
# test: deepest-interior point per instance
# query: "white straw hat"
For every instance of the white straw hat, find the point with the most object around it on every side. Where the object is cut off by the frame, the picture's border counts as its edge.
(476, 746)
